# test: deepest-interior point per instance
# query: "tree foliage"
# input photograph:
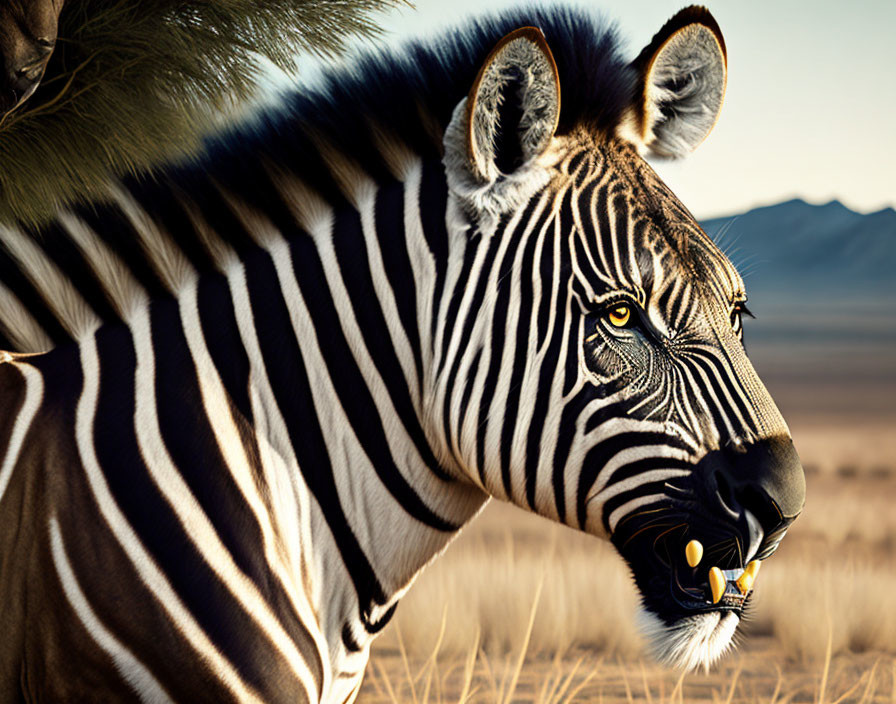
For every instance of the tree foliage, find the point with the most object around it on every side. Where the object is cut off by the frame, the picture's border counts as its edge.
(132, 82)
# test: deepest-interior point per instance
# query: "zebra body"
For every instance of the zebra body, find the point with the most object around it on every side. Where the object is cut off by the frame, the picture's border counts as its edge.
(298, 368)
(308, 481)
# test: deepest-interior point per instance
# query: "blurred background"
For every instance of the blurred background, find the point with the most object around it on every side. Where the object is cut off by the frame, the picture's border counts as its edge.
(796, 184)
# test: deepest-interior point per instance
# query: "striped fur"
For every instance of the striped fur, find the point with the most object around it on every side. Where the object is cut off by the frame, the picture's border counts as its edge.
(281, 385)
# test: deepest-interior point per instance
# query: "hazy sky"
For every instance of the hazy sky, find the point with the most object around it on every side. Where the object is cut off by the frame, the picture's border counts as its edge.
(811, 103)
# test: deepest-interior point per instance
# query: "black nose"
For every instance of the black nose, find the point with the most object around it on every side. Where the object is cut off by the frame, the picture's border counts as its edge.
(765, 478)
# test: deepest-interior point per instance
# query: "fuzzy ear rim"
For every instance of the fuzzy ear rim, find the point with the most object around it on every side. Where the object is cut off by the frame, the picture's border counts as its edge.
(693, 24)
(534, 35)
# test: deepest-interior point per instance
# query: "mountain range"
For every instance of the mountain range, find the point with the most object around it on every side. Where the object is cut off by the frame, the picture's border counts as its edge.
(824, 255)
(821, 280)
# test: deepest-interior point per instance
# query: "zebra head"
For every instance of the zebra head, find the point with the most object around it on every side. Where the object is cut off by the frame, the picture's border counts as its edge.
(597, 332)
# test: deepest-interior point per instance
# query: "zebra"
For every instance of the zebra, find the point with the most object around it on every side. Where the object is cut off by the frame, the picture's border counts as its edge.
(249, 397)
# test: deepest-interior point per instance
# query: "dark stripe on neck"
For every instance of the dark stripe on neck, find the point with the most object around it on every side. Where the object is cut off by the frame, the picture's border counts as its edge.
(500, 309)
(432, 204)
(193, 448)
(393, 243)
(567, 433)
(286, 370)
(113, 227)
(15, 280)
(353, 260)
(348, 382)
(59, 248)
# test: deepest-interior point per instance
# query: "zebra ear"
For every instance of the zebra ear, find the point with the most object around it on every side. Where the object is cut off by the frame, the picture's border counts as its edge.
(682, 75)
(513, 106)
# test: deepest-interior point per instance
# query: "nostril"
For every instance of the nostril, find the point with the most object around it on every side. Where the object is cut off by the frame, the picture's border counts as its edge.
(765, 479)
(762, 506)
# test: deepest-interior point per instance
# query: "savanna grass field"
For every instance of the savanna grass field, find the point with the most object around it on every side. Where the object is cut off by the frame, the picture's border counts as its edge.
(519, 609)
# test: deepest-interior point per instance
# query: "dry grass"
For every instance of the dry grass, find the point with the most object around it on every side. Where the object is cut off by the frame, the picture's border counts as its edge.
(808, 603)
(852, 513)
(822, 627)
(582, 677)
(488, 583)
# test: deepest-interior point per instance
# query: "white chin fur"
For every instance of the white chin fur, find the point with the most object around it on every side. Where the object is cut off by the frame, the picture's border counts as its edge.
(692, 642)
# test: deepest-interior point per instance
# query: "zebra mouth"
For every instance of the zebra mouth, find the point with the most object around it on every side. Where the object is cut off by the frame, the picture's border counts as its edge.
(693, 598)
(713, 589)
(678, 577)
(695, 625)
(698, 583)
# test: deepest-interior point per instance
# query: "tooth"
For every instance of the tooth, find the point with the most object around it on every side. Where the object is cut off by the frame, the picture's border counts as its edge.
(745, 581)
(753, 568)
(716, 583)
(693, 551)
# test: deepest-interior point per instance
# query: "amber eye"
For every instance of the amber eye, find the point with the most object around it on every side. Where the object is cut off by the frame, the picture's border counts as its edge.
(619, 316)
(738, 311)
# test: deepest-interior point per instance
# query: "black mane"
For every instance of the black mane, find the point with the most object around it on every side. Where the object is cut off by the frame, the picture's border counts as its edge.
(411, 95)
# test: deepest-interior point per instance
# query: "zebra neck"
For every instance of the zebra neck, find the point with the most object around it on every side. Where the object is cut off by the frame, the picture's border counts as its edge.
(316, 340)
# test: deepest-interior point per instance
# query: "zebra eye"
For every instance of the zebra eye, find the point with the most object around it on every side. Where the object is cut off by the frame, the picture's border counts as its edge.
(619, 316)
(737, 312)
